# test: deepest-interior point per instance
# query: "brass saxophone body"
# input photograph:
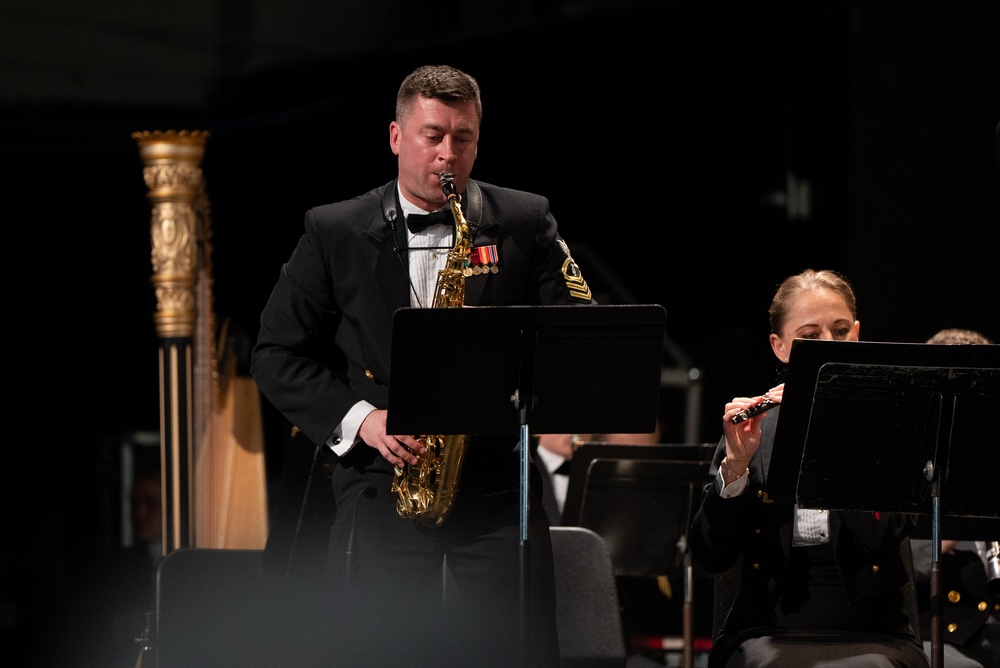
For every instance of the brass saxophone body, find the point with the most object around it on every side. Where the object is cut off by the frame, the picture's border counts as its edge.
(426, 491)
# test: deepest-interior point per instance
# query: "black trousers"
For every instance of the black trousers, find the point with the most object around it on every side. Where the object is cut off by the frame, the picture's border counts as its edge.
(468, 592)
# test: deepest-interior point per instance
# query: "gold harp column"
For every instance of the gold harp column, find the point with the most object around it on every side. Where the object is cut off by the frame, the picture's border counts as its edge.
(172, 172)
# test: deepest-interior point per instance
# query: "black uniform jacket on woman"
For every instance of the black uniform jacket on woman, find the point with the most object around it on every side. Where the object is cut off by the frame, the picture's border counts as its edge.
(326, 331)
(871, 551)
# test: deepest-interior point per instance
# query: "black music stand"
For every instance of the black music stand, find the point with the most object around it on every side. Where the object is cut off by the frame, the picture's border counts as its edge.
(640, 499)
(497, 370)
(891, 427)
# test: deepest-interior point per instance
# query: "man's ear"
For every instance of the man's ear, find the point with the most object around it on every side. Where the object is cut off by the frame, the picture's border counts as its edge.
(394, 134)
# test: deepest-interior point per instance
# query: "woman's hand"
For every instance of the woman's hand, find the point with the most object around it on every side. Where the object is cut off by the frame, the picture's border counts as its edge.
(743, 438)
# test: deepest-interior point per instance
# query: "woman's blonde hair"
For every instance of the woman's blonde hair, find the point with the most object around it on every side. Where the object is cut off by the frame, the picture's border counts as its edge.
(809, 279)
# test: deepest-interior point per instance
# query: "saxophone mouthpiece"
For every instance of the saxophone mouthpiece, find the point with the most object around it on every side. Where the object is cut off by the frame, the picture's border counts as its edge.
(447, 183)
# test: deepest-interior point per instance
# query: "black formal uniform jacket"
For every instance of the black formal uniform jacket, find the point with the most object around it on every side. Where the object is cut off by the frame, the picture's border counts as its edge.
(966, 605)
(871, 552)
(326, 330)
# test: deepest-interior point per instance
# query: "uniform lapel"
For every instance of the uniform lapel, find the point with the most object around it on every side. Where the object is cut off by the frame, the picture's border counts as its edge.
(387, 233)
(482, 232)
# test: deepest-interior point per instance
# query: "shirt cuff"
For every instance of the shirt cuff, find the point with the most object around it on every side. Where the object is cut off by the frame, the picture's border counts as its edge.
(735, 488)
(345, 434)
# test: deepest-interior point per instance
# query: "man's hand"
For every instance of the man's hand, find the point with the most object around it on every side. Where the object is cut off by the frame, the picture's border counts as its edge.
(397, 450)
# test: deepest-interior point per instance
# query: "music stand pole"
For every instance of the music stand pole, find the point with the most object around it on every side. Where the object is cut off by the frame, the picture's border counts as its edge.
(523, 546)
(937, 604)
(688, 611)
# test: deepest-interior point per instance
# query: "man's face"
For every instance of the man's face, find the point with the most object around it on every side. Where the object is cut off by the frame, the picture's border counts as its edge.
(434, 137)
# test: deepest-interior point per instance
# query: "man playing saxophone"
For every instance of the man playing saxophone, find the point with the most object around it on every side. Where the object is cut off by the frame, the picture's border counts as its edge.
(322, 359)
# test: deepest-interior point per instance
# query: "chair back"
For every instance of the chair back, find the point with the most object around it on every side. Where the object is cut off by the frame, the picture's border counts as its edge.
(208, 607)
(588, 617)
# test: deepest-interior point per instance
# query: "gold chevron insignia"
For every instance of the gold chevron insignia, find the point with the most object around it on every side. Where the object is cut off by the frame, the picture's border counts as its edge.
(575, 283)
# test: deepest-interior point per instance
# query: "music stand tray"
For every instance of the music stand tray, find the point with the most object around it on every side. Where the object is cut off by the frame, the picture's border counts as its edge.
(559, 369)
(640, 499)
(892, 427)
(862, 424)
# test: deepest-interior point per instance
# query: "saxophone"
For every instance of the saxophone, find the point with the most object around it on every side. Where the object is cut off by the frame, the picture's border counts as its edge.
(427, 490)
(993, 568)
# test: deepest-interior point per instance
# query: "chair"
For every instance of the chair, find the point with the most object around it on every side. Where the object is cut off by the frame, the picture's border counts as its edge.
(587, 614)
(215, 608)
(207, 607)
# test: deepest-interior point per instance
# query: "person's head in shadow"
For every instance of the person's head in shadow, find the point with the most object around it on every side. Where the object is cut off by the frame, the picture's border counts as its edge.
(146, 511)
(959, 336)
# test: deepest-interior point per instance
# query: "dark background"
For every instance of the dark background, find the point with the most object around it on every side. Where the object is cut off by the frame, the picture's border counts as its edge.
(696, 153)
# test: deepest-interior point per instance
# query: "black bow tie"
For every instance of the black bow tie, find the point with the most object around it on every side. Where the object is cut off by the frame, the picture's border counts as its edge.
(418, 222)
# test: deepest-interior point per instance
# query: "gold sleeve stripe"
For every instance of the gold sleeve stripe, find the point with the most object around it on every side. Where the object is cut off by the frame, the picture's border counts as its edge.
(575, 282)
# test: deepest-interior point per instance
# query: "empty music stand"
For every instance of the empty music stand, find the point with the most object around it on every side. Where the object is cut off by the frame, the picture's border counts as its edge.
(890, 427)
(640, 499)
(557, 369)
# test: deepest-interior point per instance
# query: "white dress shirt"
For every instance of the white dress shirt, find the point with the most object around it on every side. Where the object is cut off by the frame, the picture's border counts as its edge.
(424, 267)
(811, 526)
(560, 481)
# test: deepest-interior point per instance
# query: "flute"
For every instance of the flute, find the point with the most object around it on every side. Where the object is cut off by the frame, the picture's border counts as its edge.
(760, 407)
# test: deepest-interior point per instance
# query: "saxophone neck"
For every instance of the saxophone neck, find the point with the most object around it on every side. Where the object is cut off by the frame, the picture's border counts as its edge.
(456, 211)
(455, 201)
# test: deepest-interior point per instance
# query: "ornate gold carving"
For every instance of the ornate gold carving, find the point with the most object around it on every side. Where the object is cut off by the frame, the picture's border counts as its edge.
(172, 173)
(173, 237)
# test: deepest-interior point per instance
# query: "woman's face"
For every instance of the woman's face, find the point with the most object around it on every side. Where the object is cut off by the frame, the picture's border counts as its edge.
(815, 314)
